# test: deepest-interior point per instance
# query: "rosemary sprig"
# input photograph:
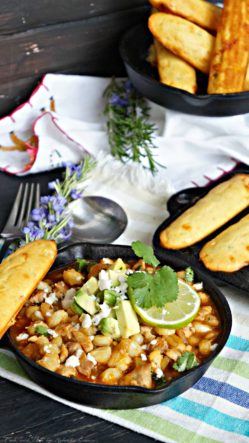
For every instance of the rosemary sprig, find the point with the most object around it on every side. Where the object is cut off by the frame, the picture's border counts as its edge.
(130, 135)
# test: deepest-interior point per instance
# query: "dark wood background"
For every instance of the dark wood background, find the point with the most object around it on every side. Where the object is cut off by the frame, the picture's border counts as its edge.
(70, 36)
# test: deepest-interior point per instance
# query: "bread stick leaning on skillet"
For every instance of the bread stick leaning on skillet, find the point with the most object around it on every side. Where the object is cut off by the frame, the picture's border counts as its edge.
(186, 40)
(174, 71)
(211, 212)
(231, 52)
(201, 12)
(20, 274)
(229, 251)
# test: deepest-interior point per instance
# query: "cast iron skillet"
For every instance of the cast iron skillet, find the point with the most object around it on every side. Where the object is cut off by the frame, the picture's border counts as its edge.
(134, 51)
(179, 203)
(123, 397)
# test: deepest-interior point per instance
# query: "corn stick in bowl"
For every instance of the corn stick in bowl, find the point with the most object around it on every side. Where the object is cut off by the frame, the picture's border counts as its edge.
(174, 71)
(201, 12)
(185, 39)
(231, 52)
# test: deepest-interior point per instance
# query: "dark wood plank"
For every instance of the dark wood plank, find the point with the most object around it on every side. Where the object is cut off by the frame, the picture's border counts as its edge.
(83, 47)
(15, 92)
(92, 43)
(30, 417)
(20, 15)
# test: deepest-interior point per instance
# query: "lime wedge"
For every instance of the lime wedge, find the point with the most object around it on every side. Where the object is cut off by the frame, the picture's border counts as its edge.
(174, 315)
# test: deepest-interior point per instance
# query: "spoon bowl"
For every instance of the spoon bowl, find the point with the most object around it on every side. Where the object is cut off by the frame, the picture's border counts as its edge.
(97, 220)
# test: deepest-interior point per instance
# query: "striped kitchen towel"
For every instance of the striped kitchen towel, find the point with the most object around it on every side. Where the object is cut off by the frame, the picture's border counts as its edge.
(216, 408)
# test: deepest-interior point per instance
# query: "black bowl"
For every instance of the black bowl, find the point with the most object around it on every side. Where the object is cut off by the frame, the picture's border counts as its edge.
(123, 397)
(134, 51)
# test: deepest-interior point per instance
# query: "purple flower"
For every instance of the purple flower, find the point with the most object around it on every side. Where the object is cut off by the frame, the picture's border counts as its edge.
(33, 231)
(44, 200)
(128, 86)
(73, 169)
(71, 223)
(38, 213)
(58, 203)
(52, 219)
(52, 185)
(75, 194)
(65, 233)
(116, 100)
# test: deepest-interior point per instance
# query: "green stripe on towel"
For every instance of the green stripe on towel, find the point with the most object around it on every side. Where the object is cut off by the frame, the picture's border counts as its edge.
(161, 426)
(11, 364)
(237, 367)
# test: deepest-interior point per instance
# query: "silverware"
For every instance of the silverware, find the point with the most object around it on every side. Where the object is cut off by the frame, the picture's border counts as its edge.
(97, 220)
(27, 198)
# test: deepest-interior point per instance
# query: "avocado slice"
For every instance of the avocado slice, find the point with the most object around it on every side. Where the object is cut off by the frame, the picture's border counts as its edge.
(85, 301)
(76, 308)
(109, 326)
(127, 319)
(118, 265)
(91, 286)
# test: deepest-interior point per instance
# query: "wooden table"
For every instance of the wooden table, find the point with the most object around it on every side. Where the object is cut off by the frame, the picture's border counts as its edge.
(29, 417)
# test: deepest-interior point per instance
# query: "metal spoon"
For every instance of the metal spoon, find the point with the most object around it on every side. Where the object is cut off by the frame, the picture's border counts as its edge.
(97, 220)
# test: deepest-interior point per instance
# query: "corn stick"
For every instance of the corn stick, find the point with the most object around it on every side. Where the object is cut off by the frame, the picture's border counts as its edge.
(185, 39)
(202, 13)
(174, 71)
(230, 57)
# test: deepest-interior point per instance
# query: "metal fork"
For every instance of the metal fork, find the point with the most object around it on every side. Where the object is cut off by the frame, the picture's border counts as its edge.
(27, 198)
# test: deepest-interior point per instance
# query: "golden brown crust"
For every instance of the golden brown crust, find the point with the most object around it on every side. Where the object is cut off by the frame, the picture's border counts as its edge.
(246, 82)
(20, 274)
(229, 251)
(230, 57)
(185, 39)
(174, 71)
(211, 212)
(202, 13)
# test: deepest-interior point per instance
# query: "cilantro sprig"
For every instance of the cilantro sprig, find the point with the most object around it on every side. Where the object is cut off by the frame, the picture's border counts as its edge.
(145, 252)
(148, 290)
(81, 264)
(185, 362)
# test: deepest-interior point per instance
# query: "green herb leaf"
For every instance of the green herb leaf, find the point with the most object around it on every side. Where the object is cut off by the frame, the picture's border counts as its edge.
(189, 275)
(42, 330)
(153, 290)
(145, 252)
(185, 362)
(159, 382)
(81, 264)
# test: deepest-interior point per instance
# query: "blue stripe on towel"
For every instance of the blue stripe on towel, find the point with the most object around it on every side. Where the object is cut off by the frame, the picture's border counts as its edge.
(223, 390)
(208, 415)
(238, 343)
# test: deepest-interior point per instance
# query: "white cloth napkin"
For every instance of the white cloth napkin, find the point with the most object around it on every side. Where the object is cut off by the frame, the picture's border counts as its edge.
(64, 117)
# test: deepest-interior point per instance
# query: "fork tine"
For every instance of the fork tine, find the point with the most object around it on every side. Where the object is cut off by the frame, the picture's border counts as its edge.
(37, 195)
(13, 214)
(29, 206)
(22, 206)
